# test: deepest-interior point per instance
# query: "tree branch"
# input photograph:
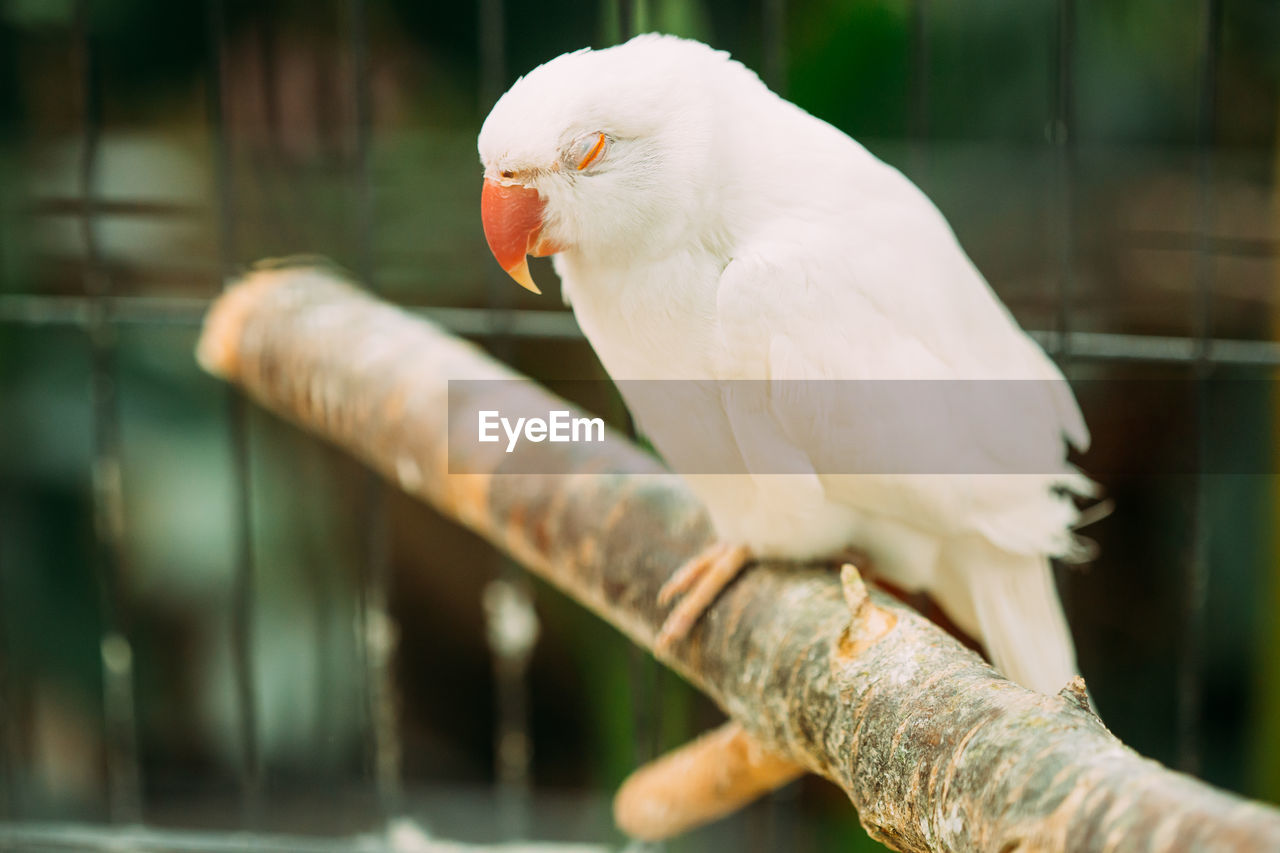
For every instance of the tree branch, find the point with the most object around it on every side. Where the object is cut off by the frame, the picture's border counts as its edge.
(935, 750)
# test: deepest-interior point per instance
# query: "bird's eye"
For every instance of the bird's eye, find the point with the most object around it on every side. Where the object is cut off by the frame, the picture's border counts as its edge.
(586, 150)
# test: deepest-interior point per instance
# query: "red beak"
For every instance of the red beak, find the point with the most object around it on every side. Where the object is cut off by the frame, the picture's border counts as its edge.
(512, 219)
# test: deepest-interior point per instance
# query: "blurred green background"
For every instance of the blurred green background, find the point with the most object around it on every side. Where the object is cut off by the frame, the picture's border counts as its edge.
(1110, 166)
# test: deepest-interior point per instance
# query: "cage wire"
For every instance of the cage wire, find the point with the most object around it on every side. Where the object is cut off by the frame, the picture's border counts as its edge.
(100, 314)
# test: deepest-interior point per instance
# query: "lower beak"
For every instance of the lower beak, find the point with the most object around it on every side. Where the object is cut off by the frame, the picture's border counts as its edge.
(512, 219)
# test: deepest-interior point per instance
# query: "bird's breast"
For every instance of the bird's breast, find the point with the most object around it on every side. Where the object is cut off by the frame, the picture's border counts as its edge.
(653, 321)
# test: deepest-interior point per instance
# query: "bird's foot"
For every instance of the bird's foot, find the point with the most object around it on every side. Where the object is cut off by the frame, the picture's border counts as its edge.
(700, 580)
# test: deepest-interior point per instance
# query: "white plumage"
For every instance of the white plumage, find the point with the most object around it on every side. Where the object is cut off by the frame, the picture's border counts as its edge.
(723, 233)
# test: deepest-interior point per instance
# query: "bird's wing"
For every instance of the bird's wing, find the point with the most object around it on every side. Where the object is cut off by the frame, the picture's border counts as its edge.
(808, 305)
(839, 235)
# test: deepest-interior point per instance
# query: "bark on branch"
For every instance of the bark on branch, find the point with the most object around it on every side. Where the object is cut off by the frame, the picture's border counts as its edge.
(935, 750)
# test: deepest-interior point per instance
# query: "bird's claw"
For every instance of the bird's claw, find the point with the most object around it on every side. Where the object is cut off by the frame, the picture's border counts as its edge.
(701, 579)
(688, 574)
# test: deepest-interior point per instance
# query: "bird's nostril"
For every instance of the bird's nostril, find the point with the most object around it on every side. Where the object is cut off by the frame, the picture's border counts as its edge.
(508, 174)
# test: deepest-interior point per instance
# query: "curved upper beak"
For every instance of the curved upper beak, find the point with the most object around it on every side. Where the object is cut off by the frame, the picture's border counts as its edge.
(512, 219)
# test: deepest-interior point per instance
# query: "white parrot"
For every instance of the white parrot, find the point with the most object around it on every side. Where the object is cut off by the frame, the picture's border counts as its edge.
(706, 229)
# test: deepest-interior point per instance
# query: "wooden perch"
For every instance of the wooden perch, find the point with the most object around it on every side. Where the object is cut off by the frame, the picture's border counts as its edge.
(935, 750)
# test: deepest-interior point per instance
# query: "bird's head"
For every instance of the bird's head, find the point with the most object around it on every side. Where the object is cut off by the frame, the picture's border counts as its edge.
(606, 152)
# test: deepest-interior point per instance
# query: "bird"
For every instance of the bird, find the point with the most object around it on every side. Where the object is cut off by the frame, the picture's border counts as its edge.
(710, 234)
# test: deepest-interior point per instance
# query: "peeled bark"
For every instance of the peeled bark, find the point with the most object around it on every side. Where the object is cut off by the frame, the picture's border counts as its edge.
(935, 750)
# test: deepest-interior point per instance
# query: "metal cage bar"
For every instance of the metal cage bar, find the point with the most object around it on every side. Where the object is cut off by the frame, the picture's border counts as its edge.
(36, 310)
(918, 92)
(1197, 570)
(1062, 136)
(378, 634)
(251, 767)
(8, 689)
(773, 17)
(123, 775)
(1060, 131)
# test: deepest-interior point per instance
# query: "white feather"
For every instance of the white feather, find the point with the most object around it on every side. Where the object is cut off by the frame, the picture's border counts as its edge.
(730, 235)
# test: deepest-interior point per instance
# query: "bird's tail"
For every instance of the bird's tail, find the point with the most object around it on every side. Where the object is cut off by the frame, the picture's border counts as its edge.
(1020, 617)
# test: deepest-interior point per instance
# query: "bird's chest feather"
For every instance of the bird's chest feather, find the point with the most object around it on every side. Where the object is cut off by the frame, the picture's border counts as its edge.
(651, 321)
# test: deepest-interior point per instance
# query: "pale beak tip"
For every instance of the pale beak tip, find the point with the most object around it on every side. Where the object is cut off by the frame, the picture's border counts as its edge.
(520, 272)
